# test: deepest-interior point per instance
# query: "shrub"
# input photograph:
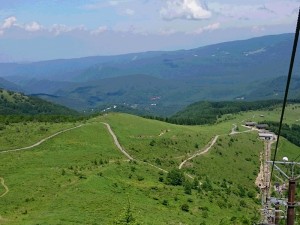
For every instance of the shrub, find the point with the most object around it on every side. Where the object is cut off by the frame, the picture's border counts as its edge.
(165, 202)
(187, 188)
(140, 178)
(152, 143)
(175, 177)
(185, 207)
(157, 161)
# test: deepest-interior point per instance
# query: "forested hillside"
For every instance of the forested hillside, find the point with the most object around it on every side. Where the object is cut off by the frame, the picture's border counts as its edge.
(205, 112)
(14, 103)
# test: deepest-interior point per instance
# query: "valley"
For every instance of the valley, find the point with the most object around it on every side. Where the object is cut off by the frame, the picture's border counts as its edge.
(160, 83)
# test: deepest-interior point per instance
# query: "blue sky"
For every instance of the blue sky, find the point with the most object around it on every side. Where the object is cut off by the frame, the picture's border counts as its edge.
(33, 30)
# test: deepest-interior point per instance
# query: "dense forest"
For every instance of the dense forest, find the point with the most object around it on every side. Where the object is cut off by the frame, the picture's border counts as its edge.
(205, 112)
(17, 107)
(290, 132)
(14, 103)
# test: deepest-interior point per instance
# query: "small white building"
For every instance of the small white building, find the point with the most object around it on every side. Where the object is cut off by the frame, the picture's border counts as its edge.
(250, 124)
(266, 136)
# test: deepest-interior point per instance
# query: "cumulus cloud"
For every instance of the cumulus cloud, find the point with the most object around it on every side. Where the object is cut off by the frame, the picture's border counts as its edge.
(12, 22)
(184, 9)
(9, 22)
(94, 6)
(129, 12)
(262, 12)
(113, 2)
(103, 4)
(32, 27)
(59, 28)
(167, 31)
(258, 29)
(99, 30)
(210, 27)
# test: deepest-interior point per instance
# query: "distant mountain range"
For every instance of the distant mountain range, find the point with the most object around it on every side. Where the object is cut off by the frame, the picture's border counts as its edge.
(161, 83)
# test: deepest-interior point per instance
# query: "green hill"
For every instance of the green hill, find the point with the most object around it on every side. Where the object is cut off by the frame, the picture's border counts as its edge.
(79, 176)
(14, 103)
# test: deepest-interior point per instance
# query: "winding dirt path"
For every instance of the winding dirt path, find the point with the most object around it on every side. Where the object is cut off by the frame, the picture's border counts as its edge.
(117, 143)
(5, 187)
(233, 130)
(2, 195)
(26, 148)
(41, 141)
(214, 140)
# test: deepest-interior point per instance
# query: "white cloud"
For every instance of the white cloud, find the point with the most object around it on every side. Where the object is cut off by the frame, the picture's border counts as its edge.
(113, 2)
(94, 6)
(9, 22)
(209, 27)
(99, 30)
(59, 28)
(12, 22)
(263, 12)
(130, 12)
(32, 27)
(258, 29)
(103, 4)
(167, 31)
(184, 9)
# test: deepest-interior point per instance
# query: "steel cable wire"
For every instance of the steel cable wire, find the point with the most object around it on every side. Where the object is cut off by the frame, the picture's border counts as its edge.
(286, 93)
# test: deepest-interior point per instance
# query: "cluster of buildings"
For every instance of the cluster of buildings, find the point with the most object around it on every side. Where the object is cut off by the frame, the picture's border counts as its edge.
(263, 131)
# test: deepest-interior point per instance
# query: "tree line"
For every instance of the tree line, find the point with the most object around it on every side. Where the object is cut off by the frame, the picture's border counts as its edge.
(290, 132)
(205, 112)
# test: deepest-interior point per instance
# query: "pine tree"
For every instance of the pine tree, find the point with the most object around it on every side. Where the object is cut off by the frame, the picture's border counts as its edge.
(126, 217)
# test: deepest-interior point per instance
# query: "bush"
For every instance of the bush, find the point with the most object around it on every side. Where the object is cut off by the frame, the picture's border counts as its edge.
(207, 185)
(175, 177)
(2, 126)
(152, 143)
(185, 207)
(140, 178)
(157, 161)
(187, 188)
(251, 194)
(165, 202)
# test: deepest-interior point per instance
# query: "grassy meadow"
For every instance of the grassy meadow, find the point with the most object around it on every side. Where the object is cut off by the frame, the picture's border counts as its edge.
(291, 116)
(80, 177)
(18, 135)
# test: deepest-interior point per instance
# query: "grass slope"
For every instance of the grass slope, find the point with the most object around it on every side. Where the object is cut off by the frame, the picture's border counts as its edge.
(16, 135)
(80, 177)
